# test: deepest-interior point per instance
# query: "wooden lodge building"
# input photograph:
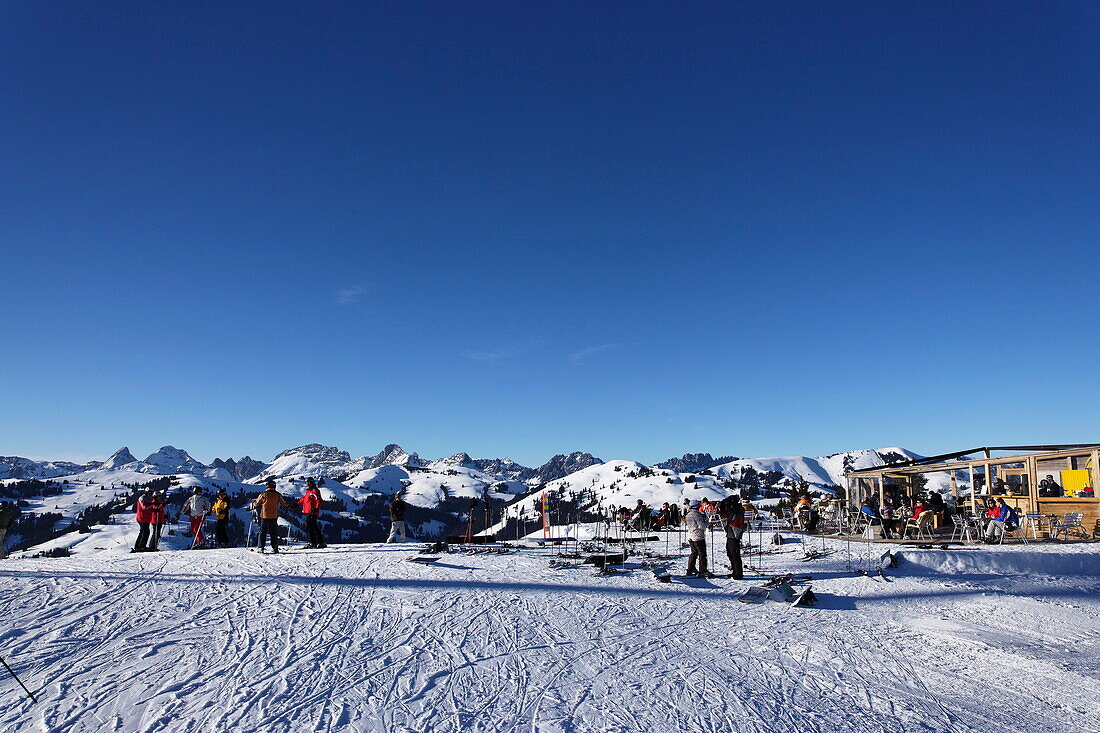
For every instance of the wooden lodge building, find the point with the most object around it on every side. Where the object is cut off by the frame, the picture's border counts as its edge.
(1048, 479)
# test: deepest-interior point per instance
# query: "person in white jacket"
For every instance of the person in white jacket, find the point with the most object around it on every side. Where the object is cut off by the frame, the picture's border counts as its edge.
(197, 507)
(696, 525)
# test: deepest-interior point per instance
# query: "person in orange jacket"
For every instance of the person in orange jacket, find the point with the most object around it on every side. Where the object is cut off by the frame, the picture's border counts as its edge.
(267, 507)
(311, 507)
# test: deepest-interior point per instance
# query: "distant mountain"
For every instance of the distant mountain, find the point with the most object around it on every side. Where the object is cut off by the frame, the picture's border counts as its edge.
(504, 468)
(169, 460)
(561, 466)
(690, 462)
(324, 460)
(394, 455)
(823, 472)
(15, 467)
(118, 459)
(241, 470)
(313, 459)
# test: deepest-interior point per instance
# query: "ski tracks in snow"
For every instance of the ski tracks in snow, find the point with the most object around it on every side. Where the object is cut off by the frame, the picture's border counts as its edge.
(355, 639)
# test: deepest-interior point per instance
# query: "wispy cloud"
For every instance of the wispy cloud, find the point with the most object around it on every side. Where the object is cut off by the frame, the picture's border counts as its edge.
(582, 355)
(496, 354)
(348, 296)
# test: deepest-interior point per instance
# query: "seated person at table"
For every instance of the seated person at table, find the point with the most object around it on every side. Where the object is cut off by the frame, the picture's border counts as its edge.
(873, 517)
(919, 508)
(998, 488)
(992, 514)
(886, 514)
(1005, 518)
(1048, 487)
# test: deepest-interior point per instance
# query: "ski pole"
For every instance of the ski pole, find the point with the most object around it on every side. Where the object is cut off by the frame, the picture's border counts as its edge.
(13, 674)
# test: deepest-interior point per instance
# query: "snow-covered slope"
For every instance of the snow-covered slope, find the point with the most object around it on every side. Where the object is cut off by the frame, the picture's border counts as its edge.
(355, 639)
(622, 483)
(432, 485)
(824, 472)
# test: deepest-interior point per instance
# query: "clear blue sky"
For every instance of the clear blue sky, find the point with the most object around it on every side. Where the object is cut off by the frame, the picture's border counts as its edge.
(635, 229)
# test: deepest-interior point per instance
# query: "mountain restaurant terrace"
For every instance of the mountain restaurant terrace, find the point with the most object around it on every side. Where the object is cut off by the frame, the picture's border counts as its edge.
(1051, 487)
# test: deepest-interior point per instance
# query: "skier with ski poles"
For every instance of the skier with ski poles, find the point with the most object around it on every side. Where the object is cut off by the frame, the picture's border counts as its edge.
(311, 507)
(640, 517)
(144, 515)
(267, 506)
(197, 507)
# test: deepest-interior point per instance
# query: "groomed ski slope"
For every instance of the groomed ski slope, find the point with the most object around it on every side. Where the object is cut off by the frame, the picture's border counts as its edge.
(356, 639)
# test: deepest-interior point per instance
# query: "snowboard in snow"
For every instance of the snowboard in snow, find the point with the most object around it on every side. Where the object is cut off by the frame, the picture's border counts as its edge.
(662, 574)
(755, 594)
(887, 561)
(805, 598)
(421, 559)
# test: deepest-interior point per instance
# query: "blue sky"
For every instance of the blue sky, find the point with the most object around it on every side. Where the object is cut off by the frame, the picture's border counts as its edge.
(521, 229)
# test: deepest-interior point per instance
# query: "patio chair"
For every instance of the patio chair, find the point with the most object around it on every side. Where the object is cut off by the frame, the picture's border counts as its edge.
(1018, 531)
(964, 529)
(1033, 523)
(1070, 524)
(921, 526)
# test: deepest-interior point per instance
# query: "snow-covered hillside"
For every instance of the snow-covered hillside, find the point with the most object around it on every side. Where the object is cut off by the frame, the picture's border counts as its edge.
(355, 639)
(432, 485)
(824, 472)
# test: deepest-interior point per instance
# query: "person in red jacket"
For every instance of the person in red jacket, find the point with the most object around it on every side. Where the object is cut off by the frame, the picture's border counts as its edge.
(146, 514)
(311, 507)
(158, 523)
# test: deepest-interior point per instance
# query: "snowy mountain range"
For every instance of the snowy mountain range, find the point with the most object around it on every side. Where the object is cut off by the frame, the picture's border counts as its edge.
(73, 504)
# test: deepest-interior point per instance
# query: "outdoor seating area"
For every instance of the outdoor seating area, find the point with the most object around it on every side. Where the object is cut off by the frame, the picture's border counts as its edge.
(1016, 494)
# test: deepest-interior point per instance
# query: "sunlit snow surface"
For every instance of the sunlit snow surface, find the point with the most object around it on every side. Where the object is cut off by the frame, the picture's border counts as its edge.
(357, 639)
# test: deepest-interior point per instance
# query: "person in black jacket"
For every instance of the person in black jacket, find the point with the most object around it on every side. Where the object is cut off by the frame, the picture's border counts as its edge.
(7, 521)
(397, 519)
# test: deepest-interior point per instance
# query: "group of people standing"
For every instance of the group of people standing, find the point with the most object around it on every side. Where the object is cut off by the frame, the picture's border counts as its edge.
(696, 517)
(150, 514)
(730, 514)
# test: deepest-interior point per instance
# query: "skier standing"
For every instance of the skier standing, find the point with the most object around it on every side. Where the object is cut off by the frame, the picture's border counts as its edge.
(733, 516)
(221, 519)
(158, 523)
(145, 514)
(311, 507)
(696, 525)
(267, 506)
(397, 519)
(8, 513)
(197, 507)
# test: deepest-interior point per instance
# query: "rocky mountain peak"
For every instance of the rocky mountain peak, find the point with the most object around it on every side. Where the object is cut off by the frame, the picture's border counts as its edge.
(119, 458)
